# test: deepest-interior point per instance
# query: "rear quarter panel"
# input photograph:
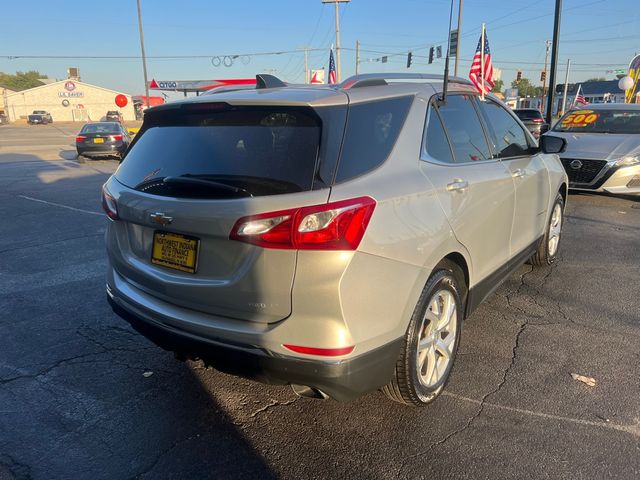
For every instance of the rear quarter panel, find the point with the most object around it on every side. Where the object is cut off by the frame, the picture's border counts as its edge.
(406, 238)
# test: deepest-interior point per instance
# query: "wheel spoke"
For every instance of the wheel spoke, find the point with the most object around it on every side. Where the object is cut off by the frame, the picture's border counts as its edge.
(431, 365)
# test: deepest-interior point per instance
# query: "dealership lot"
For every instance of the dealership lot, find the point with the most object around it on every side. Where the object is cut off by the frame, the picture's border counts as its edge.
(82, 395)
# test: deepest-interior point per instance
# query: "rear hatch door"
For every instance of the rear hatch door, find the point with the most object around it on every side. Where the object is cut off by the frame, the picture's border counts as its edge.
(189, 176)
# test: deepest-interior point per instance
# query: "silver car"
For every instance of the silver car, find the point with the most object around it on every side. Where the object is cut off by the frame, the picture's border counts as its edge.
(603, 147)
(328, 237)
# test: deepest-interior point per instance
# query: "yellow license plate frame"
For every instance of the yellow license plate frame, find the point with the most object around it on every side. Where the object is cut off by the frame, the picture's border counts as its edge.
(174, 250)
(98, 140)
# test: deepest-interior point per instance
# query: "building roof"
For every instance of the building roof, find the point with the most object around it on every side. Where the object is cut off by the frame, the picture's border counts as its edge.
(592, 88)
(62, 82)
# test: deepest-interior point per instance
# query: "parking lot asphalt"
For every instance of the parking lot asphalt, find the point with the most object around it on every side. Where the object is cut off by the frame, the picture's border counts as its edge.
(84, 396)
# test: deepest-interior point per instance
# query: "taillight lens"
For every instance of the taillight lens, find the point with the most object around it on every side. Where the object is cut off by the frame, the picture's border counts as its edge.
(80, 138)
(116, 138)
(109, 204)
(330, 226)
(538, 120)
(324, 352)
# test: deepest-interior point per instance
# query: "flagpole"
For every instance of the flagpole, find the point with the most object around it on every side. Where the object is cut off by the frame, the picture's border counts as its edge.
(482, 62)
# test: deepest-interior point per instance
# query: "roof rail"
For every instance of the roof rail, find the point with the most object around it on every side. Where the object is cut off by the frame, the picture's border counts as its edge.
(264, 80)
(371, 79)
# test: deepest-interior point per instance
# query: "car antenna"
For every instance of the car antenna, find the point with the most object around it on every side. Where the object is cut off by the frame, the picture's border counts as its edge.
(443, 99)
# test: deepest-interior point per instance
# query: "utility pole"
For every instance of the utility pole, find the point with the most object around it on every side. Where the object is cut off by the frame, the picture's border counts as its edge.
(306, 65)
(544, 73)
(566, 88)
(144, 57)
(357, 57)
(455, 72)
(336, 4)
(554, 60)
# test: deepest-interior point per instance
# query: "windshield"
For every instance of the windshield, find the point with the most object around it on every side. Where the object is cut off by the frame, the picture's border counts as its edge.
(100, 128)
(528, 114)
(259, 150)
(600, 121)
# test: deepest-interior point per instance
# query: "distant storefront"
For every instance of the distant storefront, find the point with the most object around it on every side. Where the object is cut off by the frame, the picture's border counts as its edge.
(69, 101)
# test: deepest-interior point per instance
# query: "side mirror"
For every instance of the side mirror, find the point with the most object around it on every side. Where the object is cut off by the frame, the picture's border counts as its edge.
(551, 144)
(544, 128)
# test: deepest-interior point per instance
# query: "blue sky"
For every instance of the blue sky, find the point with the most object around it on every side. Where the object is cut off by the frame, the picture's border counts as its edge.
(598, 35)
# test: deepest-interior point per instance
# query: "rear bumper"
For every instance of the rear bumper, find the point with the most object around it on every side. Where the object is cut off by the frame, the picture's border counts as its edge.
(101, 149)
(343, 380)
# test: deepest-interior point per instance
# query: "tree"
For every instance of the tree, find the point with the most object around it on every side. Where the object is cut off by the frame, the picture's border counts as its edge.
(596, 79)
(525, 89)
(21, 80)
(497, 88)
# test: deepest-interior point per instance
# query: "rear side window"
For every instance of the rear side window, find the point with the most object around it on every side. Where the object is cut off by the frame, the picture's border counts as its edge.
(509, 139)
(254, 150)
(436, 144)
(465, 131)
(371, 132)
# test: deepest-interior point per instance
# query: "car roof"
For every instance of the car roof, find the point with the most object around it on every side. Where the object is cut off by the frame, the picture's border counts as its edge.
(102, 123)
(355, 89)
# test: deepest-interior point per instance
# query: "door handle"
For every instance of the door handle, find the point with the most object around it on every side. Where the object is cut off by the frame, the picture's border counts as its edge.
(457, 185)
(519, 173)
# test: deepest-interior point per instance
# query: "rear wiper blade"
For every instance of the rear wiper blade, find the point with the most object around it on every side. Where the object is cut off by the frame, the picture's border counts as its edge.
(188, 180)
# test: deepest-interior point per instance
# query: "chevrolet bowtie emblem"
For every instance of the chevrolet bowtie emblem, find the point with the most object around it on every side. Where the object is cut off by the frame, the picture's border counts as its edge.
(160, 218)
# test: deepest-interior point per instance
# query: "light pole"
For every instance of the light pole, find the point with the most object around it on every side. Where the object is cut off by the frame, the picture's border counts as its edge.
(458, 38)
(554, 61)
(336, 3)
(144, 57)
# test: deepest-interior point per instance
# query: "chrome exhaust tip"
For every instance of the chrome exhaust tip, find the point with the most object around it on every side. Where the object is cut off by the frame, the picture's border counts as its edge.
(309, 392)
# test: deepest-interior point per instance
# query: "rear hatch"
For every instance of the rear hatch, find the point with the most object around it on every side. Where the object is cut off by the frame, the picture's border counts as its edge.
(192, 172)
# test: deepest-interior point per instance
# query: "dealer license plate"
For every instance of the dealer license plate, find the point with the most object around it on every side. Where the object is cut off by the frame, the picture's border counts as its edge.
(98, 140)
(175, 251)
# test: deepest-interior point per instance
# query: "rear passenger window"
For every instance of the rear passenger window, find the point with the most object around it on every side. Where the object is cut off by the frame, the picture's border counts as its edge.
(371, 132)
(509, 139)
(436, 144)
(465, 131)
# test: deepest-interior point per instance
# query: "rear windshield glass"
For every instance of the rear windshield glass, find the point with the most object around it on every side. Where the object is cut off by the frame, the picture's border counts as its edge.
(100, 128)
(528, 114)
(241, 151)
(600, 121)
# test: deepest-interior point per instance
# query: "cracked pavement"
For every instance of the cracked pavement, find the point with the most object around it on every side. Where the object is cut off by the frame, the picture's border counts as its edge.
(74, 402)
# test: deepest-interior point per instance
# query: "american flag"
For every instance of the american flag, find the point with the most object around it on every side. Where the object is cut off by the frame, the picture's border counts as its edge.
(332, 68)
(484, 85)
(580, 100)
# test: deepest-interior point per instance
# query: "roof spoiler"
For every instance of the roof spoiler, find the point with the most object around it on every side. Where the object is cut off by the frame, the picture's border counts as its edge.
(264, 80)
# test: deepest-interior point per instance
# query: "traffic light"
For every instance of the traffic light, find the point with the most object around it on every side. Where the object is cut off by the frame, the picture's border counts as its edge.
(409, 55)
(518, 76)
(431, 55)
(543, 76)
(439, 51)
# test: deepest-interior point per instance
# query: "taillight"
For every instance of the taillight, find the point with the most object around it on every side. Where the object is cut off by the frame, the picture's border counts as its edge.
(538, 120)
(330, 226)
(116, 138)
(324, 352)
(109, 204)
(80, 138)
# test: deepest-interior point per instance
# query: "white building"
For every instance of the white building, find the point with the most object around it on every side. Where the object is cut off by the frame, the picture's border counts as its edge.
(68, 101)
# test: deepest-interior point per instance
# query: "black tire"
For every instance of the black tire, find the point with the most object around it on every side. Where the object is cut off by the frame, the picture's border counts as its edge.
(543, 255)
(406, 387)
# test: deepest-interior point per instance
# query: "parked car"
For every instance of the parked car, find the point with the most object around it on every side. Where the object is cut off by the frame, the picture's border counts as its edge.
(533, 120)
(113, 116)
(39, 117)
(102, 139)
(328, 237)
(603, 147)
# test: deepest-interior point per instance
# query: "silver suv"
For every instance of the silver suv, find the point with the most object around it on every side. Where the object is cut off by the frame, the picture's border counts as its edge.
(328, 237)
